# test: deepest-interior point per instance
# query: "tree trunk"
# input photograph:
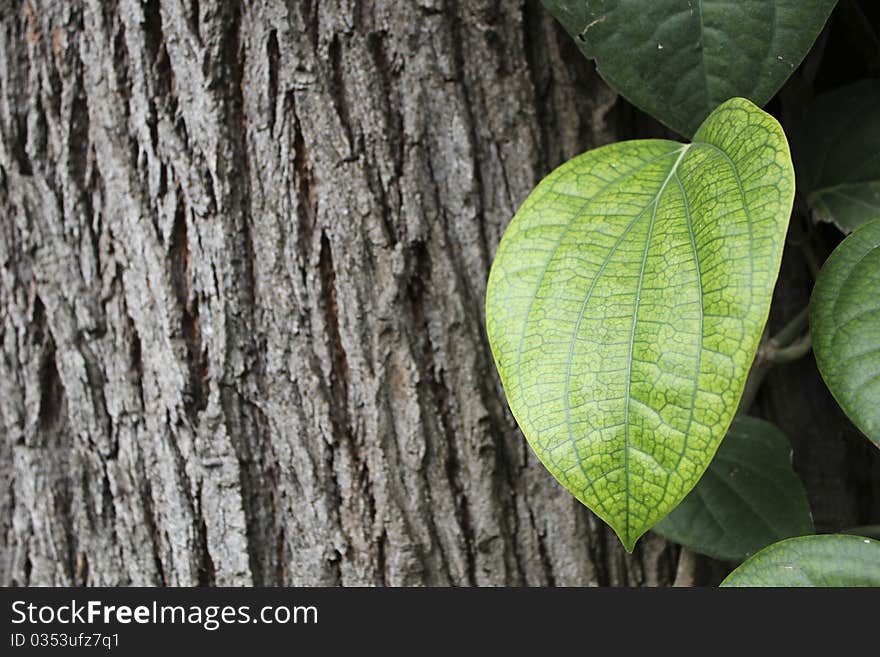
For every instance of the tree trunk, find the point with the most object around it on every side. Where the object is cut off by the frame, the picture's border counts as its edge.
(244, 258)
(244, 253)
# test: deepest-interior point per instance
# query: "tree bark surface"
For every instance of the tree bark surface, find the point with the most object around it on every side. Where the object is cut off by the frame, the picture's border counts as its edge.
(244, 252)
(244, 259)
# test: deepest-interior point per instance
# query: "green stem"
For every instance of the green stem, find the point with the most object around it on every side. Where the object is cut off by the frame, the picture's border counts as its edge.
(791, 330)
(775, 351)
(778, 355)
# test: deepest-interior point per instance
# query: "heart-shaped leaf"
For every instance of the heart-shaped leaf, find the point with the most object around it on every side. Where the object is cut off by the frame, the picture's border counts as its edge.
(679, 59)
(829, 560)
(748, 498)
(836, 152)
(625, 305)
(845, 325)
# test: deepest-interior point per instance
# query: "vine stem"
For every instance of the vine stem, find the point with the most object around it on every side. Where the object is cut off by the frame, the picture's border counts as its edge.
(784, 347)
(790, 353)
(791, 330)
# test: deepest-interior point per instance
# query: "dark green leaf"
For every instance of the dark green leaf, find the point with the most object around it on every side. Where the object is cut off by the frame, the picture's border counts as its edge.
(748, 498)
(836, 150)
(845, 325)
(679, 59)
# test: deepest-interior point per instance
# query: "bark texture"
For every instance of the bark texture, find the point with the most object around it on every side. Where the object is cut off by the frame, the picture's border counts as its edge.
(244, 257)
(242, 270)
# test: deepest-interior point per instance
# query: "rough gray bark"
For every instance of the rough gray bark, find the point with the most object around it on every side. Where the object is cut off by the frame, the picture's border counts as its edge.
(244, 251)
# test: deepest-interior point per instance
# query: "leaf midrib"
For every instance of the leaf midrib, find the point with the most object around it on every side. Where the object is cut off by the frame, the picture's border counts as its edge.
(699, 275)
(632, 337)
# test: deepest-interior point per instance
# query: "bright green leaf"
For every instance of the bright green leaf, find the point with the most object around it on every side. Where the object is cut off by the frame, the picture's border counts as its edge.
(845, 325)
(836, 151)
(828, 560)
(679, 59)
(625, 305)
(748, 498)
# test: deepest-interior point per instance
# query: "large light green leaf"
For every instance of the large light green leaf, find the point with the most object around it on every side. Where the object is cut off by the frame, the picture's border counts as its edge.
(748, 498)
(845, 325)
(828, 560)
(836, 152)
(625, 305)
(679, 59)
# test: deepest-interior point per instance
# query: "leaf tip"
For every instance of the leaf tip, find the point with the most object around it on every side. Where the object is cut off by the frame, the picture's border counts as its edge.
(628, 538)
